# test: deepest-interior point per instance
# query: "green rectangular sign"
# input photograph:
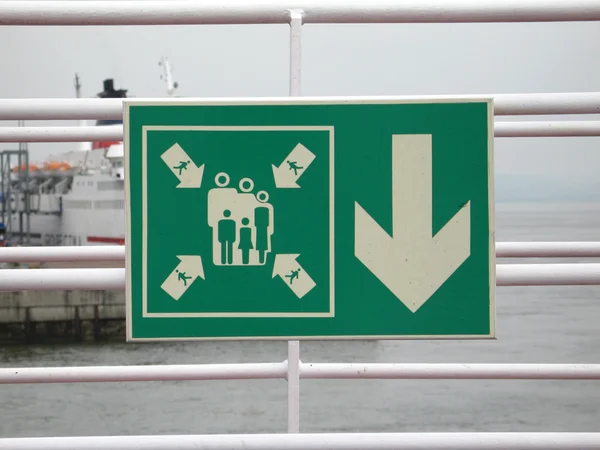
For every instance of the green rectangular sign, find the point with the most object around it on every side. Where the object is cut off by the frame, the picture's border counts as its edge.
(296, 218)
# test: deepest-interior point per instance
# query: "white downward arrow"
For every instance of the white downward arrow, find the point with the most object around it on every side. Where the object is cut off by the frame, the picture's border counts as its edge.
(183, 276)
(412, 263)
(183, 167)
(293, 274)
(292, 167)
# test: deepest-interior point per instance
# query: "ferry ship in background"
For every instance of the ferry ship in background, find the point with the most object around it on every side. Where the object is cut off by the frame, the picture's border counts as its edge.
(75, 198)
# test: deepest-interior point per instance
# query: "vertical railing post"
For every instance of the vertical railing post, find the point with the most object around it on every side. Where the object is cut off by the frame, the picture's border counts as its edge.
(295, 53)
(293, 362)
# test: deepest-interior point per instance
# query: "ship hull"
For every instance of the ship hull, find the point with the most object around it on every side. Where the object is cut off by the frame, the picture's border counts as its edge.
(92, 213)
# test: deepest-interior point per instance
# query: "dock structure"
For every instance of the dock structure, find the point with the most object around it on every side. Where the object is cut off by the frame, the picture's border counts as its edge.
(72, 13)
(61, 316)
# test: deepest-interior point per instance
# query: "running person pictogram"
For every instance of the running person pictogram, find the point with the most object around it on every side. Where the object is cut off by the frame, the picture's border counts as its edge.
(181, 276)
(293, 274)
(182, 166)
(294, 166)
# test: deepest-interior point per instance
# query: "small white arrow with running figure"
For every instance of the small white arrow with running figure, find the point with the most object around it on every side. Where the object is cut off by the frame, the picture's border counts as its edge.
(292, 167)
(412, 263)
(293, 274)
(186, 272)
(182, 166)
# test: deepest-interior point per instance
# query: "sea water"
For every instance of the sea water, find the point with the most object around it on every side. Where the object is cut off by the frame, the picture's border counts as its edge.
(555, 324)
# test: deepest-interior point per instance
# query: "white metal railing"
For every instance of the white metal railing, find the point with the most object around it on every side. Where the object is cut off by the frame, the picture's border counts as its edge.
(317, 441)
(272, 371)
(99, 279)
(111, 108)
(276, 12)
(225, 12)
(115, 133)
(574, 249)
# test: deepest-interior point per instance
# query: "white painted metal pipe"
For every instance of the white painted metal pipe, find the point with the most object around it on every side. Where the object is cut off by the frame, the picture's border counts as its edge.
(98, 279)
(573, 249)
(293, 361)
(547, 274)
(115, 132)
(451, 371)
(543, 104)
(415, 371)
(547, 129)
(62, 108)
(90, 108)
(63, 254)
(61, 134)
(317, 441)
(93, 374)
(276, 12)
(61, 279)
(577, 249)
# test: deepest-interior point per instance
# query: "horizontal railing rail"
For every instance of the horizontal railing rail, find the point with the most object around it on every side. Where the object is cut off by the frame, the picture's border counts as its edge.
(115, 133)
(99, 253)
(573, 249)
(317, 441)
(547, 129)
(91, 108)
(218, 12)
(114, 278)
(104, 253)
(314, 371)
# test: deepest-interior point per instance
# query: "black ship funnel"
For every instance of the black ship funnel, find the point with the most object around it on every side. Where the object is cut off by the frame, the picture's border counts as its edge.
(110, 91)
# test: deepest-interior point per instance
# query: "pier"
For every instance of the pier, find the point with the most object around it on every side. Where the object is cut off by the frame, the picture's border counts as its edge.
(30, 316)
(61, 316)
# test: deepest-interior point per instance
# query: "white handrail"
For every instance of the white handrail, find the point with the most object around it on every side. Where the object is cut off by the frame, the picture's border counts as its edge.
(547, 129)
(277, 12)
(548, 103)
(316, 441)
(314, 371)
(61, 134)
(61, 279)
(188, 372)
(419, 371)
(581, 249)
(99, 279)
(573, 249)
(547, 274)
(85, 253)
(115, 132)
(91, 108)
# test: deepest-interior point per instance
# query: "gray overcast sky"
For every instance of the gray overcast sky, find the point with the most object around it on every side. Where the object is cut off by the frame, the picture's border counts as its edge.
(252, 60)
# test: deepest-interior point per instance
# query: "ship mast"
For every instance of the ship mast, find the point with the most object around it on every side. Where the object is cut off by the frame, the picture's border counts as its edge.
(77, 87)
(84, 146)
(167, 76)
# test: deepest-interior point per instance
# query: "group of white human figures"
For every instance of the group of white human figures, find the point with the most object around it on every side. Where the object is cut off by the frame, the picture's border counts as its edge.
(242, 223)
